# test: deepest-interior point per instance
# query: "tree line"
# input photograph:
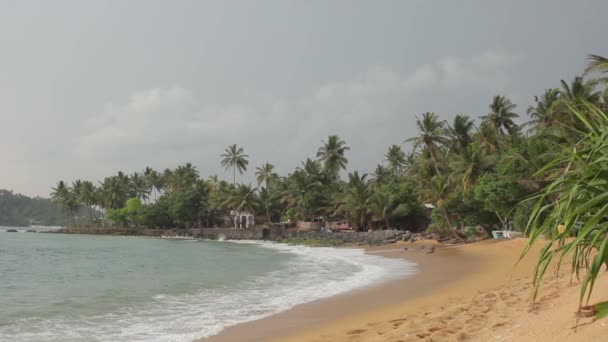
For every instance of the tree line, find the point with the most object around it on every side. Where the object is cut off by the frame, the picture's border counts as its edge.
(17, 210)
(469, 172)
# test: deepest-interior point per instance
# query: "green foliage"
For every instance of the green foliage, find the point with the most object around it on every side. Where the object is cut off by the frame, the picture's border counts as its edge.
(119, 216)
(575, 204)
(19, 210)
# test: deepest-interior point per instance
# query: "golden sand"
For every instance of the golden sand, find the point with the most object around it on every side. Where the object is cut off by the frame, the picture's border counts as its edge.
(473, 292)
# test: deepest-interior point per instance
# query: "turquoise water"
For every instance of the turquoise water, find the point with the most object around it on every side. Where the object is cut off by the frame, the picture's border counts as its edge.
(56, 287)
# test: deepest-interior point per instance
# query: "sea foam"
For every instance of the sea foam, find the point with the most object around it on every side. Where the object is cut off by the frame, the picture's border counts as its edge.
(314, 273)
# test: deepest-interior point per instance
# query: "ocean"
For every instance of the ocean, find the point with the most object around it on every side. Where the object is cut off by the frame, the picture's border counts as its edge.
(56, 287)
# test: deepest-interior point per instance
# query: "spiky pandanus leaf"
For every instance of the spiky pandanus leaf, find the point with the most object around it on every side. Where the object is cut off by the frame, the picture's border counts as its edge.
(572, 211)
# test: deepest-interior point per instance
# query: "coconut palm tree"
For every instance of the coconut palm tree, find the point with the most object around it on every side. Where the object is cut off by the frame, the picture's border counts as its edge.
(395, 158)
(501, 115)
(580, 91)
(543, 114)
(332, 155)
(87, 196)
(468, 165)
(383, 206)
(62, 195)
(597, 63)
(439, 191)
(114, 192)
(138, 186)
(355, 202)
(235, 158)
(242, 198)
(183, 177)
(265, 174)
(460, 132)
(431, 138)
(380, 176)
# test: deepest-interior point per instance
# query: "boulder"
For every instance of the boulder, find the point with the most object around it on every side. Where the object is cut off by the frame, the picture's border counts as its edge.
(12, 231)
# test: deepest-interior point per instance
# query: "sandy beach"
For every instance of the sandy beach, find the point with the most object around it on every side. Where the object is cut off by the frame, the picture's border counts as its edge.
(474, 292)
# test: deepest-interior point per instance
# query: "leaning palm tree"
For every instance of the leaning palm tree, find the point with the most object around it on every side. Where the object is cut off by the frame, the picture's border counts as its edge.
(572, 211)
(332, 155)
(502, 116)
(432, 136)
(395, 158)
(439, 191)
(235, 158)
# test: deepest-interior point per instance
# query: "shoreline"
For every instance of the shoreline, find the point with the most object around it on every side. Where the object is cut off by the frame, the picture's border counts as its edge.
(473, 292)
(365, 299)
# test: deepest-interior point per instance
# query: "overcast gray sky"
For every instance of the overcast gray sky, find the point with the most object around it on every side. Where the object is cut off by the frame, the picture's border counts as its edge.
(88, 88)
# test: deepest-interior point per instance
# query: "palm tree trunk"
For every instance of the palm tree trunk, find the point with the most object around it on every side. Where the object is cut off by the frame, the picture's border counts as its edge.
(435, 162)
(386, 223)
(267, 212)
(234, 175)
(447, 220)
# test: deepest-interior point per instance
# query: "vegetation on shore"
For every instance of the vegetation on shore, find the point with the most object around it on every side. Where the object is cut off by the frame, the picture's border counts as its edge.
(473, 172)
(572, 210)
(18, 210)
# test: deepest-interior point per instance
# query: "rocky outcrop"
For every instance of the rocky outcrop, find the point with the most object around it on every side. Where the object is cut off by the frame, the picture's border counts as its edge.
(373, 238)
(11, 231)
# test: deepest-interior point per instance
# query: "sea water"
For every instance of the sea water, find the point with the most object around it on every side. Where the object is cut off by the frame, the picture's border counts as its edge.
(56, 287)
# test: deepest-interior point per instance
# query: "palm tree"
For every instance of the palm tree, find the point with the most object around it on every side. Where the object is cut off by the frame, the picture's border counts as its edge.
(597, 63)
(242, 198)
(580, 90)
(183, 177)
(265, 174)
(87, 196)
(355, 203)
(395, 158)
(460, 132)
(383, 206)
(156, 182)
(470, 164)
(138, 187)
(234, 157)
(432, 136)
(487, 137)
(501, 115)
(543, 114)
(380, 176)
(62, 195)
(439, 191)
(114, 192)
(332, 155)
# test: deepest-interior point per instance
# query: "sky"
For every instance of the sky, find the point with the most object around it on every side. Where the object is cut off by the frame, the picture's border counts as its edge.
(88, 88)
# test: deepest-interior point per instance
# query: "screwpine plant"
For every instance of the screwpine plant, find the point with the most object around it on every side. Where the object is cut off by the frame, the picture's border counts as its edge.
(572, 211)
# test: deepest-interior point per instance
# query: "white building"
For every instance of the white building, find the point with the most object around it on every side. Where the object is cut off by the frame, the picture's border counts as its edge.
(242, 219)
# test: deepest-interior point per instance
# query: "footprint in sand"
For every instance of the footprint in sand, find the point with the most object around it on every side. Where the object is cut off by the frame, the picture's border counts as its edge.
(356, 332)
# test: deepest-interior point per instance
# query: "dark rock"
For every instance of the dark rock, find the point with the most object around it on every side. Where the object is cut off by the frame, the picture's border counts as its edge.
(31, 231)
(11, 231)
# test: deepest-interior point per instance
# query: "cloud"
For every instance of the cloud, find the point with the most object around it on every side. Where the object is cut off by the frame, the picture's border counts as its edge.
(374, 109)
